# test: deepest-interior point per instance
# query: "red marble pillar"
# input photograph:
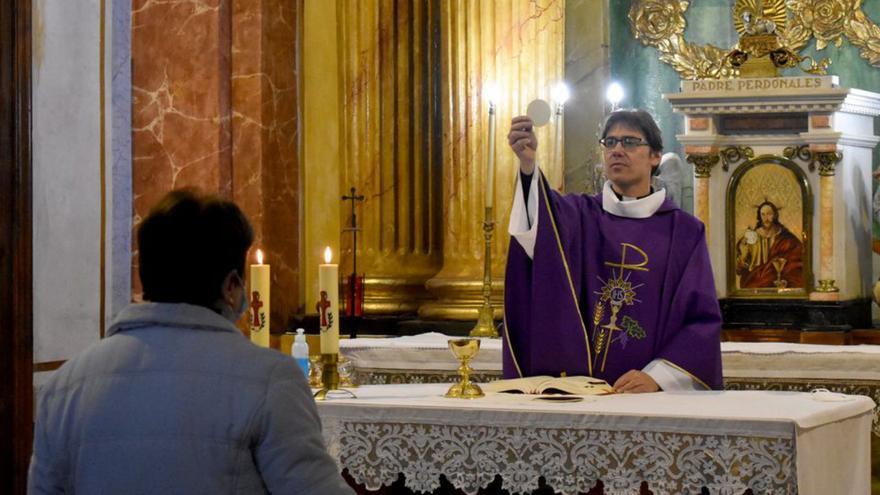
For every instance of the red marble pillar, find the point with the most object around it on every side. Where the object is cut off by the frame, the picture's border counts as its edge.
(214, 106)
(180, 102)
(264, 130)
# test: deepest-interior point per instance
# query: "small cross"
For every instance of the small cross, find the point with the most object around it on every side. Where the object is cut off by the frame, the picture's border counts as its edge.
(354, 198)
(256, 304)
(322, 306)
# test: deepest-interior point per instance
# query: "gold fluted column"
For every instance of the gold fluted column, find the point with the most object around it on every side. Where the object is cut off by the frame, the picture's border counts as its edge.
(827, 157)
(391, 151)
(321, 143)
(519, 46)
(703, 159)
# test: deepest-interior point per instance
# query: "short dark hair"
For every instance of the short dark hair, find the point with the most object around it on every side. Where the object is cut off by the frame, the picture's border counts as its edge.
(188, 244)
(636, 119)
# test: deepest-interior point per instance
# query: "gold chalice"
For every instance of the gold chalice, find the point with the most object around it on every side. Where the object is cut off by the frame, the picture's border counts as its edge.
(778, 265)
(464, 350)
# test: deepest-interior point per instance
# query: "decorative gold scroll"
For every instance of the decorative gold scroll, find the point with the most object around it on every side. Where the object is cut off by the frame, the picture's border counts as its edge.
(734, 155)
(661, 24)
(826, 160)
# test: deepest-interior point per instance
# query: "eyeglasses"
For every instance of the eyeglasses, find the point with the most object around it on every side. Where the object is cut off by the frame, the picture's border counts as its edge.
(629, 142)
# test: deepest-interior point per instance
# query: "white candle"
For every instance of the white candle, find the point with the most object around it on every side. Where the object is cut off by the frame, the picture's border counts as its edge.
(328, 304)
(258, 301)
(490, 173)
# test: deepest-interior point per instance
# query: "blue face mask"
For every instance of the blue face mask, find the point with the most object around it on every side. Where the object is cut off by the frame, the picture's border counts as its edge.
(235, 314)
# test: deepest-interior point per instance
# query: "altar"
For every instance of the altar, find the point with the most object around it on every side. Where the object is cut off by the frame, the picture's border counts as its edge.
(789, 367)
(728, 442)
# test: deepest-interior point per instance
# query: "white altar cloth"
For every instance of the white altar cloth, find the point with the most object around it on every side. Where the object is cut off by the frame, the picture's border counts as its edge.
(771, 442)
(429, 351)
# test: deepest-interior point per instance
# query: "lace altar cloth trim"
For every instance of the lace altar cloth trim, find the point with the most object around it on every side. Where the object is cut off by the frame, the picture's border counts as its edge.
(868, 388)
(570, 459)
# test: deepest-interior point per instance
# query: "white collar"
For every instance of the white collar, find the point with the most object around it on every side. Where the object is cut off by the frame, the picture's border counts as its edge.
(636, 208)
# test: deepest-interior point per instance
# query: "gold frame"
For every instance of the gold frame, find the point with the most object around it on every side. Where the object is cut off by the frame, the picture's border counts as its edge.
(661, 24)
(806, 229)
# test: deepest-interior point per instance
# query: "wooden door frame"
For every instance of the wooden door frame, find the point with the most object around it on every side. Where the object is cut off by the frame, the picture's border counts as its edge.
(16, 249)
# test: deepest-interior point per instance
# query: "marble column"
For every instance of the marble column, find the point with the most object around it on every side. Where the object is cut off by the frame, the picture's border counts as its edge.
(588, 73)
(322, 142)
(703, 158)
(517, 45)
(265, 161)
(827, 158)
(181, 132)
(214, 106)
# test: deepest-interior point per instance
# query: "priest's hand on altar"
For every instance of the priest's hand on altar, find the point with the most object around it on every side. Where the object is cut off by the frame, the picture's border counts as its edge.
(523, 142)
(635, 382)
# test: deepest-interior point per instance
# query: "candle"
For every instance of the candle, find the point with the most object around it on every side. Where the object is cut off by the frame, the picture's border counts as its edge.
(490, 173)
(492, 93)
(258, 301)
(328, 304)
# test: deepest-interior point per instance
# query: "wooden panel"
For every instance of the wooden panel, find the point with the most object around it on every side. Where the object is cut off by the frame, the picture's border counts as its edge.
(871, 336)
(780, 123)
(16, 320)
(826, 338)
(760, 335)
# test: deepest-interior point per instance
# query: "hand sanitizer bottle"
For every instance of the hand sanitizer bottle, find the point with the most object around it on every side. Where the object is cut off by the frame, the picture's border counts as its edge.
(300, 350)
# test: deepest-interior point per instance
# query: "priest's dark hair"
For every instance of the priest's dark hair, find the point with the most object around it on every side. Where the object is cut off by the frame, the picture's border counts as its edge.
(641, 120)
(188, 244)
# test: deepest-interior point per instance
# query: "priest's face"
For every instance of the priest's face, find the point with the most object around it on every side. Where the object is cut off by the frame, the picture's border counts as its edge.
(628, 164)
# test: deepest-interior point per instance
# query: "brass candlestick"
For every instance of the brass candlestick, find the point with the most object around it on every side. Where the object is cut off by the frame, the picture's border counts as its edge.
(464, 350)
(486, 321)
(330, 377)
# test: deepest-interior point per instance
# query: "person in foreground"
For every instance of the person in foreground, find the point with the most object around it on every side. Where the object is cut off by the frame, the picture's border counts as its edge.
(616, 286)
(175, 399)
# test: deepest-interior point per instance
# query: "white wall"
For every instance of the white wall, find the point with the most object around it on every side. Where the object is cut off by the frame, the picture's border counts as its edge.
(67, 152)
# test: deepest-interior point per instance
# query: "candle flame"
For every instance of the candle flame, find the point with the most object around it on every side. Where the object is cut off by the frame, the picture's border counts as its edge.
(328, 255)
(259, 257)
(492, 92)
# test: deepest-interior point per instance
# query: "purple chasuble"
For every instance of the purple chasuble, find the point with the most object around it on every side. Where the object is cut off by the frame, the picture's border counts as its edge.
(606, 294)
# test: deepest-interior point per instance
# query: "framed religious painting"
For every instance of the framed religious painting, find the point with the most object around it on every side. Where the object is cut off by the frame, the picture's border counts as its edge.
(769, 219)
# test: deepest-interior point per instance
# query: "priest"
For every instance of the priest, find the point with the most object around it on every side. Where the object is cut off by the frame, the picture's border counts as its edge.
(616, 286)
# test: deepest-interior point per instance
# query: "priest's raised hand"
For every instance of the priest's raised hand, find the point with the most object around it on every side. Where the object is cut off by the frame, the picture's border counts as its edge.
(523, 142)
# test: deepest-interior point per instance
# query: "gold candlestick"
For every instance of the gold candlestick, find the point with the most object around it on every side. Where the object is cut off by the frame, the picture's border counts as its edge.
(486, 321)
(330, 377)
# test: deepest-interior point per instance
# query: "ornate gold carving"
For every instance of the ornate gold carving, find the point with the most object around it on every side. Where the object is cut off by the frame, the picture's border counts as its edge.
(703, 163)
(734, 155)
(800, 152)
(828, 21)
(863, 33)
(826, 160)
(761, 52)
(661, 24)
(751, 17)
(827, 286)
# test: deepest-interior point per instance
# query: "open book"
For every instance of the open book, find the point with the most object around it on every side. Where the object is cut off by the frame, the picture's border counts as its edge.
(573, 385)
